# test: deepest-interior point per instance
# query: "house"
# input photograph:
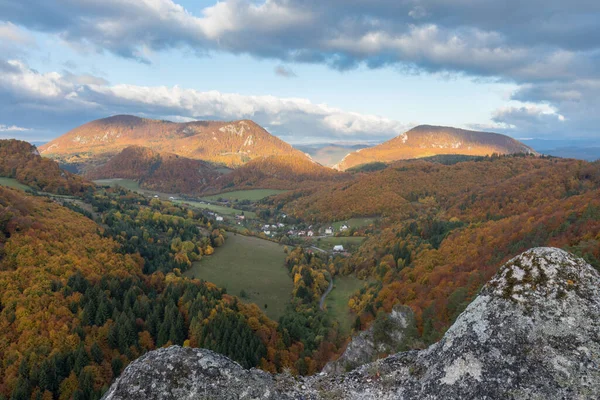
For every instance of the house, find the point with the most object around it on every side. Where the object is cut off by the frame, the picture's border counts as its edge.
(267, 232)
(283, 216)
(240, 217)
(302, 233)
(290, 232)
(156, 196)
(280, 225)
(329, 231)
(338, 248)
(310, 233)
(266, 227)
(343, 228)
(219, 218)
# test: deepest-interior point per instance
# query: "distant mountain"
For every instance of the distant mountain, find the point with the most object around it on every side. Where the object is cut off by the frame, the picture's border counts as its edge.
(22, 161)
(227, 143)
(281, 172)
(329, 154)
(164, 172)
(427, 140)
(582, 149)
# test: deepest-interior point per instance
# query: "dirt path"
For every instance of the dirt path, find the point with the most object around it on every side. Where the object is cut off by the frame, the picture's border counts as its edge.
(329, 289)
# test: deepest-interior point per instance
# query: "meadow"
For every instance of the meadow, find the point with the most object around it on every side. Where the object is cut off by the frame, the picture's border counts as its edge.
(251, 195)
(226, 211)
(336, 302)
(253, 265)
(13, 183)
(354, 223)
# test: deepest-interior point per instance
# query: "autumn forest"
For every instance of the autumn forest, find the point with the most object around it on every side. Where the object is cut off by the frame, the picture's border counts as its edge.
(93, 276)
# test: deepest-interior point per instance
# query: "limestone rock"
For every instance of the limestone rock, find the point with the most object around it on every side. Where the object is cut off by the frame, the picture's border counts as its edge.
(532, 333)
(387, 335)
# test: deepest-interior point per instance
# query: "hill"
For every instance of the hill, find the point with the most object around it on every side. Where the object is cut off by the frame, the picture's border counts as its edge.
(163, 172)
(281, 172)
(507, 341)
(22, 161)
(427, 140)
(80, 300)
(228, 143)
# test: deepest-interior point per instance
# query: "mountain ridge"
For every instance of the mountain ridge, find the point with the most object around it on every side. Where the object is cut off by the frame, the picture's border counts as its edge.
(228, 143)
(429, 140)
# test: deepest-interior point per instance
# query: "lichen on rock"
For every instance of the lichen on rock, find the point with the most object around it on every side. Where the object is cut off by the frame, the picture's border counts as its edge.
(532, 333)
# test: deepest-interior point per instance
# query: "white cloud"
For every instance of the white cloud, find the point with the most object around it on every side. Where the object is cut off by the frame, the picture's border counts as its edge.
(289, 116)
(12, 128)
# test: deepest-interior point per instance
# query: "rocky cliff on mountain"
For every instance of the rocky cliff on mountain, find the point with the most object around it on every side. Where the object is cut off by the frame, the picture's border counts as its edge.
(532, 333)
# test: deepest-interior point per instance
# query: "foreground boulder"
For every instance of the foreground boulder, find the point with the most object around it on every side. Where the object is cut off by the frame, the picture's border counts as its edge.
(532, 333)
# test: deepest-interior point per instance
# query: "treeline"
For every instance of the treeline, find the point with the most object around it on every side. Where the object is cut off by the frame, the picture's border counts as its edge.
(166, 235)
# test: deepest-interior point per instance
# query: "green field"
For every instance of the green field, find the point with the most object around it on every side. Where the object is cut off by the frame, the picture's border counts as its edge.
(353, 223)
(337, 301)
(216, 208)
(252, 195)
(126, 183)
(13, 183)
(327, 243)
(250, 264)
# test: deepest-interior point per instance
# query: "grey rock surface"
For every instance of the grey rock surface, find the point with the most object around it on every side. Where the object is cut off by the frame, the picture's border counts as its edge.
(387, 335)
(532, 333)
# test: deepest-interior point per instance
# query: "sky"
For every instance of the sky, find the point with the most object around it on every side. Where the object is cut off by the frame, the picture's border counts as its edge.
(352, 71)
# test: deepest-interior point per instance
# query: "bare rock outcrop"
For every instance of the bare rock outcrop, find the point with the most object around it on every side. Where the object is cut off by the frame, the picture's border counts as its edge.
(389, 334)
(532, 333)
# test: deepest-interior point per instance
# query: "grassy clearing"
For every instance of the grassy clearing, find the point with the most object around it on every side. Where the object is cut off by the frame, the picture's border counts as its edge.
(13, 183)
(250, 264)
(327, 243)
(337, 301)
(353, 223)
(126, 183)
(251, 195)
(218, 209)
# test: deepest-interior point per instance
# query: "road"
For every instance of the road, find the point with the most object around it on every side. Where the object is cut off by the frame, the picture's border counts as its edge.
(329, 289)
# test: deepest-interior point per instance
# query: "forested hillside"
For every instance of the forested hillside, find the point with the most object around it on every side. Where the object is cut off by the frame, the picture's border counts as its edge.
(281, 172)
(80, 299)
(163, 172)
(449, 227)
(22, 161)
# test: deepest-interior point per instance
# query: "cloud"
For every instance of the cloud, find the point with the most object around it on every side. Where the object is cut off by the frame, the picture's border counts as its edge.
(13, 40)
(285, 72)
(538, 44)
(12, 128)
(43, 97)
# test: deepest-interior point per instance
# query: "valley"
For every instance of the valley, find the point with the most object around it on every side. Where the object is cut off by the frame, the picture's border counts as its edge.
(281, 254)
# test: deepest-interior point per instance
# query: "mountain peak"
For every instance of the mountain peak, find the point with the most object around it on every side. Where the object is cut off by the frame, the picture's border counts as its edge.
(429, 140)
(230, 143)
(532, 332)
